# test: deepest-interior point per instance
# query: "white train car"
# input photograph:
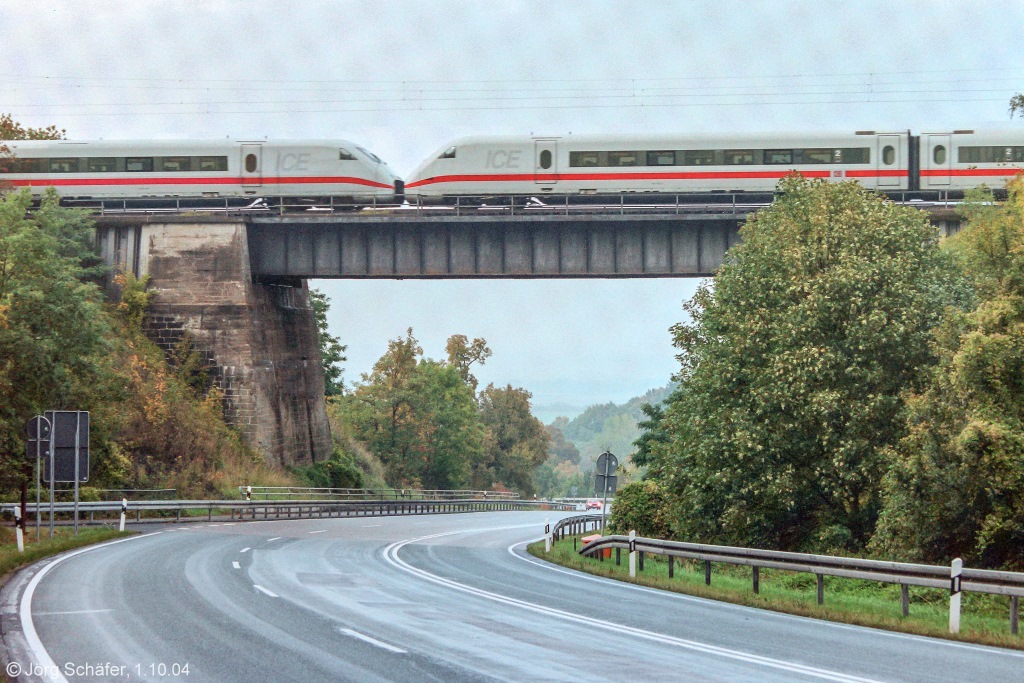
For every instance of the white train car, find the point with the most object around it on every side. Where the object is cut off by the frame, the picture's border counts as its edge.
(594, 164)
(135, 169)
(963, 159)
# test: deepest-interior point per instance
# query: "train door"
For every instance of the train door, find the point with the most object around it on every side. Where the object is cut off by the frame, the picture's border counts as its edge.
(888, 160)
(252, 165)
(545, 158)
(938, 160)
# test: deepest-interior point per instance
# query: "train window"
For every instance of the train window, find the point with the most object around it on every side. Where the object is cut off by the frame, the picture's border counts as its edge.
(736, 157)
(370, 154)
(854, 155)
(698, 157)
(30, 166)
(939, 154)
(345, 155)
(138, 164)
(545, 158)
(888, 155)
(448, 154)
(623, 159)
(69, 165)
(778, 156)
(585, 159)
(819, 156)
(250, 163)
(661, 158)
(101, 164)
(989, 154)
(212, 164)
(176, 164)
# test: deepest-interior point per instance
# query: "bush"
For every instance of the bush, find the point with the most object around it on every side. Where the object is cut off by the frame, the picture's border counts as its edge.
(642, 507)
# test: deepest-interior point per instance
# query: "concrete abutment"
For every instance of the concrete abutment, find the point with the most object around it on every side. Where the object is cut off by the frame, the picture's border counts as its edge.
(259, 340)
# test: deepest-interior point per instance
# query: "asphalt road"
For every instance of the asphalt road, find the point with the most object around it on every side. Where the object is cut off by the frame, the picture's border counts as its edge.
(429, 598)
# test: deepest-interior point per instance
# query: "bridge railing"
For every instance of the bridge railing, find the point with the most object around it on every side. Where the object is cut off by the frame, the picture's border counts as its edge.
(727, 203)
(900, 573)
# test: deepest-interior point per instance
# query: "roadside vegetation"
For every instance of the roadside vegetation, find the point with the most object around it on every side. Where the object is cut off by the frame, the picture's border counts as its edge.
(985, 618)
(63, 539)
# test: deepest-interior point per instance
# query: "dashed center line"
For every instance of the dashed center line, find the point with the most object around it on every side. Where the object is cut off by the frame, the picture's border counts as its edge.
(372, 641)
(275, 538)
(245, 550)
(261, 589)
(236, 565)
(318, 532)
(367, 526)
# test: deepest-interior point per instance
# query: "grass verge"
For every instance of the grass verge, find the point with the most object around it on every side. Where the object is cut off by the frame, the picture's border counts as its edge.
(63, 539)
(985, 619)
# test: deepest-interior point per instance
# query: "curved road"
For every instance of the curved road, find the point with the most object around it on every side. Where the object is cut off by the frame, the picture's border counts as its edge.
(428, 598)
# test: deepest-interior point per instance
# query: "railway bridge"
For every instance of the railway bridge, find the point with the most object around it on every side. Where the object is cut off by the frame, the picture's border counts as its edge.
(235, 280)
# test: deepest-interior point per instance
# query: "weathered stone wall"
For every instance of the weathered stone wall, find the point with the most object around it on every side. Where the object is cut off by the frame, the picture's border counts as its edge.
(260, 339)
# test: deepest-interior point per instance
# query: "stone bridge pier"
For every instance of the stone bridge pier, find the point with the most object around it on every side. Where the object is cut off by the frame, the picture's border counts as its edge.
(260, 340)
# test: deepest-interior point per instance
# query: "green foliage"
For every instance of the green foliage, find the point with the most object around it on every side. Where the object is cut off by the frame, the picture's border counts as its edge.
(793, 366)
(516, 441)
(134, 303)
(1017, 105)
(642, 506)
(53, 332)
(462, 354)
(340, 471)
(956, 484)
(332, 351)
(561, 449)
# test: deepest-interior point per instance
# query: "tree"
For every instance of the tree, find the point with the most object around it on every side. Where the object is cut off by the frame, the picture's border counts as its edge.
(12, 130)
(1017, 105)
(956, 484)
(792, 368)
(332, 351)
(52, 326)
(462, 354)
(560, 448)
(516, 441)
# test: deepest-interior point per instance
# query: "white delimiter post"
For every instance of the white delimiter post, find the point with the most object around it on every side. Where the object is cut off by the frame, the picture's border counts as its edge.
(547, 536)
(632, 554)
(124, 510)
(954, 595)
(19, 532)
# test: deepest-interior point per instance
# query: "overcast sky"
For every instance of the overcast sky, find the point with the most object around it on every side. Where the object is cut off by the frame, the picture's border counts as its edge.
(401, 78)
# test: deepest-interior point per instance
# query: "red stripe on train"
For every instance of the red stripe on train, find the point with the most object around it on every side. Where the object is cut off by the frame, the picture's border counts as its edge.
(973, 172)
(104, 182)
(695, 175)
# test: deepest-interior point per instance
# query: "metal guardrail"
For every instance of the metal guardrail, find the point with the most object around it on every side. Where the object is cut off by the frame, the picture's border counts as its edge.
(904, 574)
(285, 492)
(241, 510)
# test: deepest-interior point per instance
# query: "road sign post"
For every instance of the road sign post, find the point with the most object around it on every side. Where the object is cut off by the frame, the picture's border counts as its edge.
(38, 429)
(606, 466)
(69, 453)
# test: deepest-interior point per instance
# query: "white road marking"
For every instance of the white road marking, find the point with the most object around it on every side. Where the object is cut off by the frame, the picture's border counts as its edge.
(76, 611)
(28, 627)
(767, 614)
(261, 589)
(391, 556)
(367, 526)
(245, 550)
(318, 532)
(371, 641)
(236, 565)
(275, 538)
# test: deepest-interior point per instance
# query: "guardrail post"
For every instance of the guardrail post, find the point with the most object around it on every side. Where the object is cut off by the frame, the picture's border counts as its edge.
(17, 525)
(821, 589)
(1014, 602)
(707, 572)
(956, 569)
(124, 511)
(632, 554)
(757, 579)
(641, 553)
(671, 566)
